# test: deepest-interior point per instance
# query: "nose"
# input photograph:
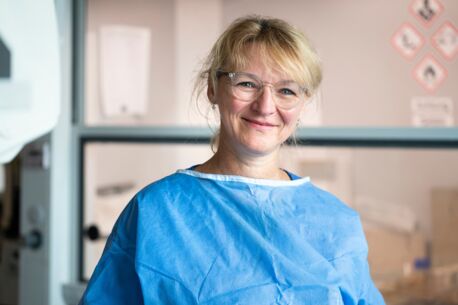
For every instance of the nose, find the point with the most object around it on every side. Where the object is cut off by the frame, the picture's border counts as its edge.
(265, 104)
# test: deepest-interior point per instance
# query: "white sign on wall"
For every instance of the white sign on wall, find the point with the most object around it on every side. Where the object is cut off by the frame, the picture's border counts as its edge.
(445, 40)
(407, 40)
(432, 111)
(124, 69)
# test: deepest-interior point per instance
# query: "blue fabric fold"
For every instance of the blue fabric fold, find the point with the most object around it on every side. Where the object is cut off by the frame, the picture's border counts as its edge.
(194, 238)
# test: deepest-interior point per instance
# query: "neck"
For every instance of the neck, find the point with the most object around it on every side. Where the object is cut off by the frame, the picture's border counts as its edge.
(228, 162)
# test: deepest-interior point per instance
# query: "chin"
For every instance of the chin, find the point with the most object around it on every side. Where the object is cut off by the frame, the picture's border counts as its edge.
(261, 147)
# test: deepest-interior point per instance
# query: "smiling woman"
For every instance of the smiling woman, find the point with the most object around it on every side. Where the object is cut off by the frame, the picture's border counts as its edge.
(252, 54)
(238, 229)
(253, 126)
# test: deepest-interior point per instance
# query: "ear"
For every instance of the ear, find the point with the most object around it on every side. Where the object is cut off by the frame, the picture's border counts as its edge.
(211, 92)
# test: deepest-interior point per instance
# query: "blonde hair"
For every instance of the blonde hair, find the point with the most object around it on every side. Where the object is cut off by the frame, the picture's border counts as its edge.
(281, 46)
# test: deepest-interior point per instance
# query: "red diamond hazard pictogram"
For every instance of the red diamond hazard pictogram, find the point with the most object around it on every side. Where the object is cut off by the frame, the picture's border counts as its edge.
(426, 11)
(429, 73)
(445, 40)
(407, 40)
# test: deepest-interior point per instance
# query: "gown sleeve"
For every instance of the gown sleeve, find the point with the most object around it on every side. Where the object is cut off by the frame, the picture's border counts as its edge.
(356, 267)
(370, 294)
(115, 280)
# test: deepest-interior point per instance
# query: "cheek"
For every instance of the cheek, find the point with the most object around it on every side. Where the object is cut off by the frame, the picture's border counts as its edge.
(238, 107)
(290, 118)
(231, 107)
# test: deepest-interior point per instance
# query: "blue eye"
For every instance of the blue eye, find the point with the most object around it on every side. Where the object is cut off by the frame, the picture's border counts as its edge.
(249, 85)
(287, 91)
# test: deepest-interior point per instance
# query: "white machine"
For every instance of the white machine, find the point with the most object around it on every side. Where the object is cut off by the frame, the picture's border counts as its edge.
(29, 73)
(30, 101)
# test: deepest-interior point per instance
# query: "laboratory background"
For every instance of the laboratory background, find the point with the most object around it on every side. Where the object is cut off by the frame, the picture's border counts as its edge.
(96, 102)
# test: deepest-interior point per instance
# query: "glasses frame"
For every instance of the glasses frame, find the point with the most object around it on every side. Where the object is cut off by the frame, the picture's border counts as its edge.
(263, 84)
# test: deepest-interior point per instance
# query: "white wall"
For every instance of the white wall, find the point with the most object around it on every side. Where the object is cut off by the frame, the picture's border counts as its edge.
(181, 32)
(366, 83)
(363, 73)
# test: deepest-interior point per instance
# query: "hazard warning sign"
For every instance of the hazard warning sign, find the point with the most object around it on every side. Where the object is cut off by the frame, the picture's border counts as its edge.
(426, 11)
(407, 40)
(429, 73)
(445, 40)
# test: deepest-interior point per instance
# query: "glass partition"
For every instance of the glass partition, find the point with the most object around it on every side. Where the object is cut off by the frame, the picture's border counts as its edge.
(407, 202)
(113, 173)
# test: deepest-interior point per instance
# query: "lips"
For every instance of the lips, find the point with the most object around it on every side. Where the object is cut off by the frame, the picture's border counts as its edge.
(259, 123)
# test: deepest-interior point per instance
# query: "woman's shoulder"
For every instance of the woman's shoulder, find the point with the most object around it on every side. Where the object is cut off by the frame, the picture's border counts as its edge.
(321, 195)
(325, 200)
(341, 224)
(151, 201)
(155, 191)
(170, 183)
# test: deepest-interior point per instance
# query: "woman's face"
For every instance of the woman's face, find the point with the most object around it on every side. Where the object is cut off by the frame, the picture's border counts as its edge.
(258, 127)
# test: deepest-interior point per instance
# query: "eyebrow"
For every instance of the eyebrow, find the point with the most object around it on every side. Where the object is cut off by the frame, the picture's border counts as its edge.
(280, 81)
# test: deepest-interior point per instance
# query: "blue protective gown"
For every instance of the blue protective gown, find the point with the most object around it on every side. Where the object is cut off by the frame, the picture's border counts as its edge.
(194, 238)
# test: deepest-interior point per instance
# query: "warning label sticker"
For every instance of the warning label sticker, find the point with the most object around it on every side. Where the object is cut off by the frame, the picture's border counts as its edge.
(445, 40)
(430, 73)
(407, 40)
(426, 11)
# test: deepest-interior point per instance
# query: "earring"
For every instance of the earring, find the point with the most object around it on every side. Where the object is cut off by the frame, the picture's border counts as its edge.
(213, 106)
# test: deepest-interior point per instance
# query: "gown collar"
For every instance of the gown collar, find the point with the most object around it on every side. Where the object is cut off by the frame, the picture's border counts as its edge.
(233, 178)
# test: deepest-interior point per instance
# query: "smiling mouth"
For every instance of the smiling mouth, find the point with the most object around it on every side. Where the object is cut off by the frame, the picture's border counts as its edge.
(258, 123)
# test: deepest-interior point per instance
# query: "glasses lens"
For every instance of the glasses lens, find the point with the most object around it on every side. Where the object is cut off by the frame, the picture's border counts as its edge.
(288, 94)
(245, 86)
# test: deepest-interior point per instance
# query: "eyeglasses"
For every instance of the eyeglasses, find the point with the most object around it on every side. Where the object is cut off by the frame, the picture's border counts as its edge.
(248, 87)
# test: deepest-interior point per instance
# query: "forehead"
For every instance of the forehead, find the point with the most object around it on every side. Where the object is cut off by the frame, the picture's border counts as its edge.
(271, 64)
(261, 63)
